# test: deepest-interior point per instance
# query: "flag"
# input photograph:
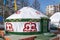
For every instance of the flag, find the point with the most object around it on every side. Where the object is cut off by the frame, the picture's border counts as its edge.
(15, 5)
(5, 1)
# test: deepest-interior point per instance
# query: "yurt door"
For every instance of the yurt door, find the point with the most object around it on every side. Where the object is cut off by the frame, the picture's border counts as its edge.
(44, 25)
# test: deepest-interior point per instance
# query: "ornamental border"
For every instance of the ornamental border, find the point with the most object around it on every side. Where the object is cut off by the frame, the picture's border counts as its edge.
(22, 20)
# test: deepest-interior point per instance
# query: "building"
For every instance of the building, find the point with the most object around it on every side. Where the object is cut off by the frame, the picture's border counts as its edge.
(51, 9)
(57, 8)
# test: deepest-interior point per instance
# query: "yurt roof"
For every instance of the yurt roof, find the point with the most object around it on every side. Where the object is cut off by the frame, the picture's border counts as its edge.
(55, 17)
(27, 12)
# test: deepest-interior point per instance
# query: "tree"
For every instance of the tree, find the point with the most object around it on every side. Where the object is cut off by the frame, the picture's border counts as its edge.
(36, 5)
(24, 3)
(20, 4)
(6, 14)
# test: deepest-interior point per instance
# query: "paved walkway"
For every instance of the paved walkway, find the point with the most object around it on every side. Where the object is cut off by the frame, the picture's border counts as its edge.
(1, 39)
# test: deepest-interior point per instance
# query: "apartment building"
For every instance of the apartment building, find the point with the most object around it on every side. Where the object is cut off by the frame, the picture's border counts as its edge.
(51, 9)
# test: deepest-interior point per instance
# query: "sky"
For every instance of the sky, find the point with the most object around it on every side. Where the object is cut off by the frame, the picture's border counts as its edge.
(44, 3)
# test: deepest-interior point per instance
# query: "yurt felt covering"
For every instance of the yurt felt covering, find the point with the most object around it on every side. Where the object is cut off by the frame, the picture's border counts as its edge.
(26, 15)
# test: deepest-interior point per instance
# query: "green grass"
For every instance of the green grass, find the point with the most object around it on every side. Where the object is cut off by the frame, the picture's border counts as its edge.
(44, 37)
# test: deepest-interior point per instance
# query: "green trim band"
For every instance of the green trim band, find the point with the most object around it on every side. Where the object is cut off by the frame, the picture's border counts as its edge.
(24, 33)
(22, 20)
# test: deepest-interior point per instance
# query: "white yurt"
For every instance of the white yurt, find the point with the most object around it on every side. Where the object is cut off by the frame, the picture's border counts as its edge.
(55, 19)
(26, 21)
